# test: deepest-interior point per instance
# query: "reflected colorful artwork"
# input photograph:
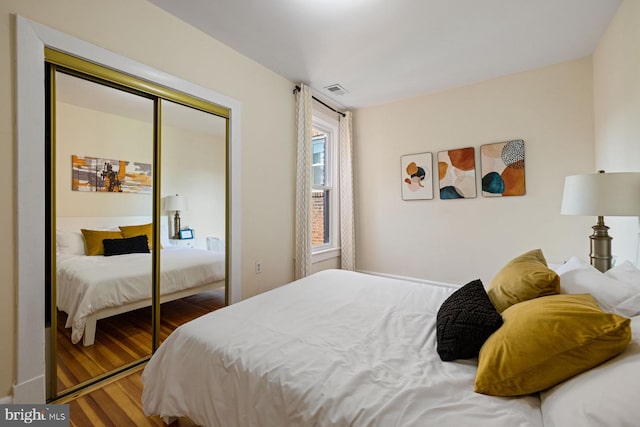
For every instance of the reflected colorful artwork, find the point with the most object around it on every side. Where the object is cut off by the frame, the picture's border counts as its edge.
(114, 176)
(457, 173)
(503, 172)
(417, 176)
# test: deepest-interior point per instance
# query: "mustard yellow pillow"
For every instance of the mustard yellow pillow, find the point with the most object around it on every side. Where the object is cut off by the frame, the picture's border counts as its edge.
(547, 340)
(93, 240)
(523, 278)
(138, 230)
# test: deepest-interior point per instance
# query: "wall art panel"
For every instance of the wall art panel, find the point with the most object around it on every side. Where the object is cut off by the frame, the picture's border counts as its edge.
(417, 176)
(457, 173)
(115, 176)
(503, 172)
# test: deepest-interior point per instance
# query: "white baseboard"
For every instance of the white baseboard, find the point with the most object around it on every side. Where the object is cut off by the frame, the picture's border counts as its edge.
(6, 400)
(31, 391)
(410, 279)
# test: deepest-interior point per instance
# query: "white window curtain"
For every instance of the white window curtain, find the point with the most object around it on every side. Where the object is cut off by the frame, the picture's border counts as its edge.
(347, 232)
(304, 119)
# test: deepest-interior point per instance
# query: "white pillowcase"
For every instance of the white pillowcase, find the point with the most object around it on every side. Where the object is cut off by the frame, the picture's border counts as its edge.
(614, 296)
(70, 243)
(626, 272)
(606, 395)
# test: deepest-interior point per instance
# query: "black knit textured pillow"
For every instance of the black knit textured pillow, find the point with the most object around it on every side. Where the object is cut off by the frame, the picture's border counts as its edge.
(464, 322)
(130, 245)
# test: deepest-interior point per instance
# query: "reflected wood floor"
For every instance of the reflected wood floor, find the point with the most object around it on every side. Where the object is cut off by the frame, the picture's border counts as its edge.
(124, 338)
(116, 404)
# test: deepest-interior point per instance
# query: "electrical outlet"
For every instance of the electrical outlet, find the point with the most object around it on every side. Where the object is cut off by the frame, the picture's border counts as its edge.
(258, 267)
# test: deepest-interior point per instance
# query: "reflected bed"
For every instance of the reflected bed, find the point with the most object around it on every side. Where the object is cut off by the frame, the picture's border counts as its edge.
(90, 288)
(93, 287)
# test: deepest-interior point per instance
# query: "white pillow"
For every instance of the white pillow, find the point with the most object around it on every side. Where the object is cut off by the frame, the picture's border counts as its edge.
(607, 395)
(164, 235)
(626, 272)
(70, 243)
(107, 228)
(579, 277)
(629, 307)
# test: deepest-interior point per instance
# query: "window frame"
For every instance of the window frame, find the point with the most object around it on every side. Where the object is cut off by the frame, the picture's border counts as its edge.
(330, 126)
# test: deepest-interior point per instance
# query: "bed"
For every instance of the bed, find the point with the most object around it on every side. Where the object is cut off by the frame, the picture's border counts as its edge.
(340, 348)
(90, 288)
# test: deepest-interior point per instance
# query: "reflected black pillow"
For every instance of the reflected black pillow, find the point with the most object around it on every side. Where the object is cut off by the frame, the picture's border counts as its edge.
(464, 322)
(129, 245)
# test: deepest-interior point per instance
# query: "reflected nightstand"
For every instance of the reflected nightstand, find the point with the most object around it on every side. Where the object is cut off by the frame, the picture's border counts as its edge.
(183, 243)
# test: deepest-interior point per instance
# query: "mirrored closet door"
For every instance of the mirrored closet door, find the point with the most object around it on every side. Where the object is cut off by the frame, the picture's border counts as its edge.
(193, 182)
(137, 216)
(103, 180)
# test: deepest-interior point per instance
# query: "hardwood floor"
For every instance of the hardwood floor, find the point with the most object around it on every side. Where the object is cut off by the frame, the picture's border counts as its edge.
(121, 339)
(124, 338)
(116, 404)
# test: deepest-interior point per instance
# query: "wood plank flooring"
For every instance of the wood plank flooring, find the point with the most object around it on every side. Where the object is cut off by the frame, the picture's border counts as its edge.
(116, 404)
(121, 339)
(124, 338)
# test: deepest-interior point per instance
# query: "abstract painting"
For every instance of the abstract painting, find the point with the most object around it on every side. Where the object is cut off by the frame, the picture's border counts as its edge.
(115, 176)
(457, 173)
(417, 176)
(503, 169)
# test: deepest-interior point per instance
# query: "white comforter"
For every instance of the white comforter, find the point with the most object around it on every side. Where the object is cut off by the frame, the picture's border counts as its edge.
(334, 349)
(88, 284)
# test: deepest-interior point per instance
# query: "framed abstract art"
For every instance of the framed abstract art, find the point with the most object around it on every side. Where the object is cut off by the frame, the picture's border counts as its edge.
(417, 176)
(457, 173)
(503, 172)
(109, 175)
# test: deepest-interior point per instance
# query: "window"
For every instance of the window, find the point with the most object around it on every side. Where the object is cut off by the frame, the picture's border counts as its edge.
(324, 191)
(320, 193)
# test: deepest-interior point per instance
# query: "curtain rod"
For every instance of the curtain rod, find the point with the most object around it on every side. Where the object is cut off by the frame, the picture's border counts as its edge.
(297, 89)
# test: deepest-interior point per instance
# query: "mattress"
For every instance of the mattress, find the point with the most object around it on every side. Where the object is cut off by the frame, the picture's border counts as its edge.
(336, 348)
(87, 284)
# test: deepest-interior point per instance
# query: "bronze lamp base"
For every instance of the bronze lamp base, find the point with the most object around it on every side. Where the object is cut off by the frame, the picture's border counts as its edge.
(600, 246)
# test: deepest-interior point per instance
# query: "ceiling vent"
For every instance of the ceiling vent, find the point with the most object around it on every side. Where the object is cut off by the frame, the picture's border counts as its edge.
(336, 89)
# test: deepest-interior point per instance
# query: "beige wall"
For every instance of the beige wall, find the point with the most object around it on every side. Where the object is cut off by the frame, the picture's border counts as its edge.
(86, 132)
(616, 88)
(461, 240)
(193, 165)
(166, 43)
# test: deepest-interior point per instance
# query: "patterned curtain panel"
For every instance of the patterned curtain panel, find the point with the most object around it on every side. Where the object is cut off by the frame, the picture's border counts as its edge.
(304, 116)
(347, 232)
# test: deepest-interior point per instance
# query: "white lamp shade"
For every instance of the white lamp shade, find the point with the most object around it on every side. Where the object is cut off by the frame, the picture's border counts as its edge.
(174, 203)
(602, 194)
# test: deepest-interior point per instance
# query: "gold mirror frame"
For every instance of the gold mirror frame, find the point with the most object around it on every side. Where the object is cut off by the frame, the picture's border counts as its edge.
(59, 61)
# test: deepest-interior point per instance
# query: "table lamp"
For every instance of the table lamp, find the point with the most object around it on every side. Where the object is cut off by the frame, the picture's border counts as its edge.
(175, 203)
(602, 194)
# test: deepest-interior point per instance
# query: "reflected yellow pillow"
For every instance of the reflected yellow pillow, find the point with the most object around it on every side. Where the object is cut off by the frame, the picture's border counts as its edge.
(523, 278)
(547, 340)
(93, 240)
(138, 230)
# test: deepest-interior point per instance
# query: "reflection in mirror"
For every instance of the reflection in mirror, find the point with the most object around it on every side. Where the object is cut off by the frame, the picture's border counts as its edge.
(193, 225)
(103, 180)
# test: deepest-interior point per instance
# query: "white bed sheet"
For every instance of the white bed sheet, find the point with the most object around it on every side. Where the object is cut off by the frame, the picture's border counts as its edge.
(334, 349)
(88, 284)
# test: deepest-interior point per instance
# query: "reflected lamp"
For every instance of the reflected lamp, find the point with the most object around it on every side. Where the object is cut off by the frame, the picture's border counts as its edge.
(601, 194)
(175, 203)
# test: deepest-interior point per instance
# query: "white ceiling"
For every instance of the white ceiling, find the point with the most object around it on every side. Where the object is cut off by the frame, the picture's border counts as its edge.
(385, 50)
